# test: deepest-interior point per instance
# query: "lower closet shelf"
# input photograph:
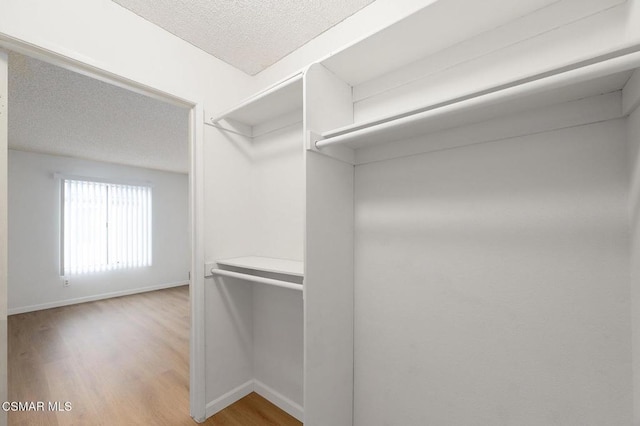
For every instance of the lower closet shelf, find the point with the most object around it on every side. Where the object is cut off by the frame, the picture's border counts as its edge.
(261, 265)
(266, 264)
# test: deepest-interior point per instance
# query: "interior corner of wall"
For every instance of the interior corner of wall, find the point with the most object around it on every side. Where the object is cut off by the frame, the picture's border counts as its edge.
(634, 190)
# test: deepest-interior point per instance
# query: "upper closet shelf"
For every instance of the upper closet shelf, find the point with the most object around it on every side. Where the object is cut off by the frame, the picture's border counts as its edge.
(281, 103)
(601, 76)
(379, 53)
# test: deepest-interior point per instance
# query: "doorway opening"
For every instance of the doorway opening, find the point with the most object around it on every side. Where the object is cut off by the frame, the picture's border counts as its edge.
(89, 332)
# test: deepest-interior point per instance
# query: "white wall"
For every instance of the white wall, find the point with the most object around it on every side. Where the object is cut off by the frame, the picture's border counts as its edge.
(633, 131)
(278, 197)
(34, 226)
(278, 342)
(492, 283)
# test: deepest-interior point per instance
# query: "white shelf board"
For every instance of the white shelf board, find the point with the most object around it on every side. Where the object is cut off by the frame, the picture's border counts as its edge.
(266, 264)
(278, 100)
(423, 33)
(447, 115)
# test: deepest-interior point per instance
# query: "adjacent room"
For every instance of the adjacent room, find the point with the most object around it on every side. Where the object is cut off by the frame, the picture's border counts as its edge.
(98, 209)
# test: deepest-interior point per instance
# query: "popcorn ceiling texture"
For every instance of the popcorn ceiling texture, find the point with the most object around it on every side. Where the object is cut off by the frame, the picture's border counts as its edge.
(248, 34)
(56, 111)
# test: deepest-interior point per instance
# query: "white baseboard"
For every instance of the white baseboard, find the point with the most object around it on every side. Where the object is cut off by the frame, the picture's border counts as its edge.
(59, 303)
(229, 398)
(281, 401)
(276, 398)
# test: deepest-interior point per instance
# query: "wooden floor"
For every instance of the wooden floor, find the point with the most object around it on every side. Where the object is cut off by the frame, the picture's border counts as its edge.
(122, 361)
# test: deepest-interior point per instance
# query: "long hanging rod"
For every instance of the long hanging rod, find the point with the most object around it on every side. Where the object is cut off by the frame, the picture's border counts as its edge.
(618, 62)
(254, 278)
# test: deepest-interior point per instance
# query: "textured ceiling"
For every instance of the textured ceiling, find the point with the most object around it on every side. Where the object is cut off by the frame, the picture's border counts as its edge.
(248, 34)
(56, 111)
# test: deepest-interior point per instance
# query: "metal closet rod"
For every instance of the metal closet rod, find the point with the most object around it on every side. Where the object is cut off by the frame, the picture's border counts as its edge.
(257, 279)
(619, 61)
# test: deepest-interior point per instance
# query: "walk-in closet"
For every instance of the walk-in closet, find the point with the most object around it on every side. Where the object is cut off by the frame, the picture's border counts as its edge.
(414, 236)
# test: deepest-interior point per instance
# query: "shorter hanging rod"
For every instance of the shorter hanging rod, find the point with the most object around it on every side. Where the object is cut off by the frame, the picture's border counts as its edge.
(256, 279)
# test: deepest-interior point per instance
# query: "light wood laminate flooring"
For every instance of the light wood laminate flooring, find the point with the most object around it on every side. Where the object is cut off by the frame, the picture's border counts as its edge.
(121, 361)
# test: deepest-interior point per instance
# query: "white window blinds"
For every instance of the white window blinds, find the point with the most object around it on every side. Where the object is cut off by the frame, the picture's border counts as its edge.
(105, 226)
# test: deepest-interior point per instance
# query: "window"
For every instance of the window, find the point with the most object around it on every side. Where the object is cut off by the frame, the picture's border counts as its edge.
(105, 226)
